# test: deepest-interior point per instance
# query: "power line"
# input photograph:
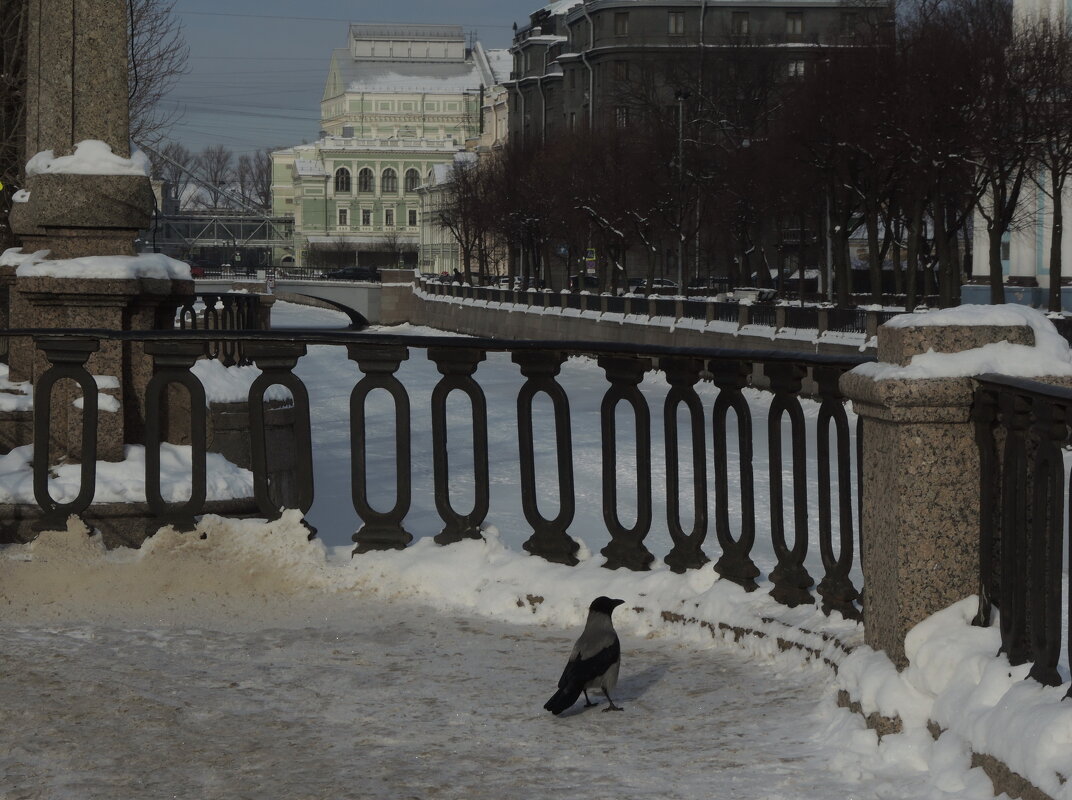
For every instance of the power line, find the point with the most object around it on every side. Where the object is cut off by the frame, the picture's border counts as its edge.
(309, 19)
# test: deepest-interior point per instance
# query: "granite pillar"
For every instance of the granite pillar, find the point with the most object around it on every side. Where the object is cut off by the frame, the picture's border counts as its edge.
(920, 526)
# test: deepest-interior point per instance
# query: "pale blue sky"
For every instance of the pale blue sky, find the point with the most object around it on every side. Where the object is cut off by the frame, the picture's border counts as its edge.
(257, 69)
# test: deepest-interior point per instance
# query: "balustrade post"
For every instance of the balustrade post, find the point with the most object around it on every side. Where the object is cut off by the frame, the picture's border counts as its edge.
(920, 507)
(68, 356)
(173, 361)
(736, 563)
(380, 530)
(550, 539)
(293, 489)
(457, 366)
(683, 374)
(626, 548)
(790, 578)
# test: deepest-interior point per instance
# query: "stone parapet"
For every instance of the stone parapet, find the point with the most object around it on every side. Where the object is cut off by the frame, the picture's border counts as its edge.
(920, 470)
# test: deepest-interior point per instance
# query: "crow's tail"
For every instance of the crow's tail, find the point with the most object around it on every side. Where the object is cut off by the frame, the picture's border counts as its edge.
(563, 699)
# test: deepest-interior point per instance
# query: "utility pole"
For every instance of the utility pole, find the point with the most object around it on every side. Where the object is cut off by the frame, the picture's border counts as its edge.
(681, 95)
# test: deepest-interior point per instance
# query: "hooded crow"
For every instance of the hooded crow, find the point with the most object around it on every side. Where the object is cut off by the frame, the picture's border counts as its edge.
(594, 662)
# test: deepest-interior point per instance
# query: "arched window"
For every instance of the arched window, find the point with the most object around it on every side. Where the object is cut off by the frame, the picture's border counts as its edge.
(364, 180)
(389, 181)
(413, 180)
(342, 179)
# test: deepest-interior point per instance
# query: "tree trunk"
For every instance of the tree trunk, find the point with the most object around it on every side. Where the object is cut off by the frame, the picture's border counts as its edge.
(874, 252)
(1055, 243)
(997, 286)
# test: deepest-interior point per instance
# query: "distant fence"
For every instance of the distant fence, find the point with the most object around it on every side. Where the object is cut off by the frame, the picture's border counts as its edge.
(817, 318)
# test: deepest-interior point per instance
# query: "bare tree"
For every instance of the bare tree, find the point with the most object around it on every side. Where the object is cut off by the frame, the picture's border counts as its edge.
(1044, 54)
(261, 178)
(216, 165)
(13, 24)
(172, 164)
(158, 56)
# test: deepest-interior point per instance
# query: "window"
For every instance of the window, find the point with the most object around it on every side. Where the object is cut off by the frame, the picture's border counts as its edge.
(342, 179)
(850, 20)
(573, 120)
(412, 218)
(621, 70)
(572, 79)
(344, 217)
(794, 23)
(389, 181)
(621, 116)
(621, 23)
(413, 180)
(739, 23)
(366, 216)
(364, 180)
(389, 217)
(796, 69)
(676, 23)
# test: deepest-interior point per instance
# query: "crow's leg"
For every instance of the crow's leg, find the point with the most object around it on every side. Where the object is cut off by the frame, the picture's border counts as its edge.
(611, 707)
(588, 703)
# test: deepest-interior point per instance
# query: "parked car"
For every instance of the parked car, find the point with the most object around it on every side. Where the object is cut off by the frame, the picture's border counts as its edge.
(197, 272)
(583, 282)
(354, 274)
(658, 286)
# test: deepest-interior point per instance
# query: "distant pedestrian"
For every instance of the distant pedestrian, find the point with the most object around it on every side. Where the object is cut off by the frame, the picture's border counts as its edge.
(457, 276)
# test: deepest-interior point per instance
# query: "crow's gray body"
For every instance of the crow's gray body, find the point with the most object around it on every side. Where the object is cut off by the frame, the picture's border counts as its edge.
(594, 661)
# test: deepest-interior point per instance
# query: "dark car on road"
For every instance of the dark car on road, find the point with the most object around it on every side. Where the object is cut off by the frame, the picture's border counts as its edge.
(354, 274)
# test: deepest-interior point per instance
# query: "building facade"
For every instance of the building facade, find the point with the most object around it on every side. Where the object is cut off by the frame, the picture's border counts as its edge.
(600, 62)
(398, 100)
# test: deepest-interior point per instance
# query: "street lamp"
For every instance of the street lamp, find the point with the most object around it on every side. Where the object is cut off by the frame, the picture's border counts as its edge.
(681, 95)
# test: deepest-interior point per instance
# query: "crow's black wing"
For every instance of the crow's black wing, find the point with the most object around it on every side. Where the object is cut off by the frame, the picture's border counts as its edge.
(579, 670)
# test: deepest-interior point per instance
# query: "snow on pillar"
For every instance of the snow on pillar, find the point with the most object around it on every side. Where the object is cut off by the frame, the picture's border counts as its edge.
(920, 526)
(87, 198)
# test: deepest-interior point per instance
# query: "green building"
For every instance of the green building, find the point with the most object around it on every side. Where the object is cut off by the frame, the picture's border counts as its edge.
(398, 100)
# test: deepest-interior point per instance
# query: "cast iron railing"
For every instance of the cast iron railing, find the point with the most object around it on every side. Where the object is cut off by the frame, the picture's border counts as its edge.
(379, 357)
(1021, 429)
(225, 311)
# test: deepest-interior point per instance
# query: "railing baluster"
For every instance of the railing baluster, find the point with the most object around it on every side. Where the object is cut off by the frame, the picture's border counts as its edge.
(835, 588)
(277, 360)
(626, 547)
(173, 361)
(1013, 579)
(380, 530)
(985, 417)
(736, 563)
(68, 356)
(457, 365)
(1047, 534)
(790, 578)
(550, 539)
(687, 553)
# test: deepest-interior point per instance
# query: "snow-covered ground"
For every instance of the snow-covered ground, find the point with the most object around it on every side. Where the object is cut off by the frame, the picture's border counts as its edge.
(254, 663)
(246, 661)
